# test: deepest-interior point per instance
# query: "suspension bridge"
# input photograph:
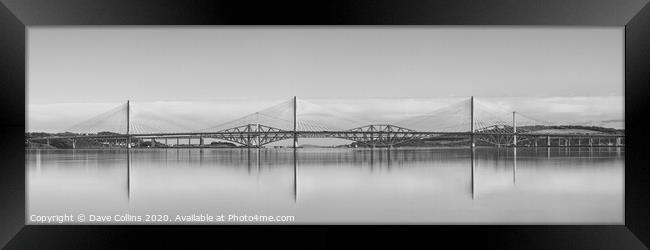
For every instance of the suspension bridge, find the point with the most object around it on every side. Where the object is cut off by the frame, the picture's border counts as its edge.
(467, 122)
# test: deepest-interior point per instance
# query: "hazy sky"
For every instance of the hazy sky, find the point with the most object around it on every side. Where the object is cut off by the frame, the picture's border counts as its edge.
(75, 71)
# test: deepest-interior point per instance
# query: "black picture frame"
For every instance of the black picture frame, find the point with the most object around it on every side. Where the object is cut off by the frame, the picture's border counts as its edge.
(18, 15)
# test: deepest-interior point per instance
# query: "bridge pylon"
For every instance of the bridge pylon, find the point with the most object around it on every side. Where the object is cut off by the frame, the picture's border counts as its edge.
(514, 129)
(471, 122)
(128, 123)
(295, 122)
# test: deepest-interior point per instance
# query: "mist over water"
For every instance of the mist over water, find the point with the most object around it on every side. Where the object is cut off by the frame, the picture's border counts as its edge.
(336, 186)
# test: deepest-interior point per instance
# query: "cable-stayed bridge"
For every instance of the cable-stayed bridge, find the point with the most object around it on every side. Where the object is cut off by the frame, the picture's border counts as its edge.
(469, 122)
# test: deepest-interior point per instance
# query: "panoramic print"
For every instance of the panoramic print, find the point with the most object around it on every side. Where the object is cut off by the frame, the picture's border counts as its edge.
(325, 125)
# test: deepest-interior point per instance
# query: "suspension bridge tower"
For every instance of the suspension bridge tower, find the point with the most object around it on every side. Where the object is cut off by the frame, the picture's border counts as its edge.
(128, 125)
(295, 122)
(514, 129)
(471, 117)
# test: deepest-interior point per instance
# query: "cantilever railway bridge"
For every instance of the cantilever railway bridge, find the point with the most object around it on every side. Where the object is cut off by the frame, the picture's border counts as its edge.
(469, 120)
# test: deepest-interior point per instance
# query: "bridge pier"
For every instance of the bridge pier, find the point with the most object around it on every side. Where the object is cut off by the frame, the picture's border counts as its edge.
(548, 141)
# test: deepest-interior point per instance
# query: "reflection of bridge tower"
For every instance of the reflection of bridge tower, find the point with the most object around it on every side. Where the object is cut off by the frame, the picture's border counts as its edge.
(295, 175)
(472, 173)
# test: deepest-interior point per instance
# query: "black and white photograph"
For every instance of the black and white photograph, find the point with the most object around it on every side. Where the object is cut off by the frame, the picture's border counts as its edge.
(162, 124)
(313, 125)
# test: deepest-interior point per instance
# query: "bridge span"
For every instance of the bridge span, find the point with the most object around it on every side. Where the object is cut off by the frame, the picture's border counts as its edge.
(278, 123)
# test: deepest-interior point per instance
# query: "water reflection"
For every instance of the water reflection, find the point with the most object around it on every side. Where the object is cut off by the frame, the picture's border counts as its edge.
(416, 185)
(128, 173)
(514, 165)
(473, 164)
(295, 175)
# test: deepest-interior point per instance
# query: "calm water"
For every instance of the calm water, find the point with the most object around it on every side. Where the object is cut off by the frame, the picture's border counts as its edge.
(335, 186)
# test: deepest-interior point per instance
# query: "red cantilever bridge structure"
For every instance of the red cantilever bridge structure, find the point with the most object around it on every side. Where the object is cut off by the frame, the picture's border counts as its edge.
(469, 120)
